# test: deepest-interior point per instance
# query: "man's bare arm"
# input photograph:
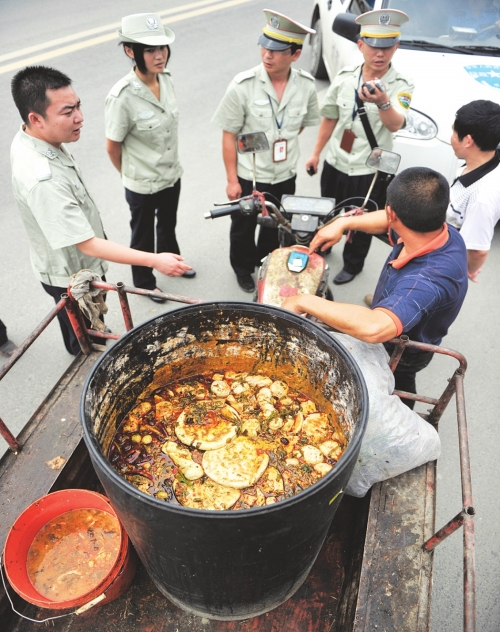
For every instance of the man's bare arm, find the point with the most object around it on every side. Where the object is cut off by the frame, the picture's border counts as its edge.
(230, 157)
(165, 262)
(372, 223)
(325, 131)
(114, 150)
(357, 321)
(475, 261)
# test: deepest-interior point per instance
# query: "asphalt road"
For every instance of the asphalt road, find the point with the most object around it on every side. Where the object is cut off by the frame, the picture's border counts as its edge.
(215, 40)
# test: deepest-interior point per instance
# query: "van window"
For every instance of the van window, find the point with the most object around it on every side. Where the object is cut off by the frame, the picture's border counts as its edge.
(360, 6)
(471, 26)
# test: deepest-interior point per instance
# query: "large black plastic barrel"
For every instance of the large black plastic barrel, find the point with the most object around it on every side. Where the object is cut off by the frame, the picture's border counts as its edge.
(225, 564)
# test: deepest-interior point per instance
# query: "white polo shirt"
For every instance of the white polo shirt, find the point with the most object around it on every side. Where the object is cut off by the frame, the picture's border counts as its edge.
(475, 204)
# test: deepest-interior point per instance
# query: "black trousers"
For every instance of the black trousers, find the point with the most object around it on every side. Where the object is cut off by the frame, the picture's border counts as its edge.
(70, 340)
(407, 369)
(339, 185)
(244, 253)
(3, 333)
(145, 209)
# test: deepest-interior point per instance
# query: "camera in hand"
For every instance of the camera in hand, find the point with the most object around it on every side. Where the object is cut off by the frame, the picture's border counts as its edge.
(311, 170)
(378, 83)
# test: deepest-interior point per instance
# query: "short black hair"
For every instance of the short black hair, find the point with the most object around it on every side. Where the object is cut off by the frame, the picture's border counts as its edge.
(29, 89)
(480, 119)
(139, 54)
(419, 196)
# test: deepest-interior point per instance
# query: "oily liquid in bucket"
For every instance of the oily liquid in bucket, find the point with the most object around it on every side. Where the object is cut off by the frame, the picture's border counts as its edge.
(73, 553)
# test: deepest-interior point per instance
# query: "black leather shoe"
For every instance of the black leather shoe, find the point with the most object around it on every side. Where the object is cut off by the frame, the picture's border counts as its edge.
(189, 274)
(246, 282)
(343, 277)
(157, 299)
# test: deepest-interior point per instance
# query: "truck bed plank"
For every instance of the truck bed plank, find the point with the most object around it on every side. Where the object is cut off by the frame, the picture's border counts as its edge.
(395, 584)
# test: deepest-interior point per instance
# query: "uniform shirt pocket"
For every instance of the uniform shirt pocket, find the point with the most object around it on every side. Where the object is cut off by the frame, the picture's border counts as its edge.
(261, 116)
(150, 132)
(78, 191)
(346, 111)
(147, 126)
(296, 115)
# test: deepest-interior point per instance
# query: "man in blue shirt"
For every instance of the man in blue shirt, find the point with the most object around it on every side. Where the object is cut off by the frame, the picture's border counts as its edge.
(423, 283)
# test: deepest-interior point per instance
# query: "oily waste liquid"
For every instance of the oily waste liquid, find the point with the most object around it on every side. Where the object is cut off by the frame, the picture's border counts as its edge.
(73, 553)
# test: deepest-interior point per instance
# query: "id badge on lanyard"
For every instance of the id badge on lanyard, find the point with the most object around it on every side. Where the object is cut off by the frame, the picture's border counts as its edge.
(280, 146)
(280, 150)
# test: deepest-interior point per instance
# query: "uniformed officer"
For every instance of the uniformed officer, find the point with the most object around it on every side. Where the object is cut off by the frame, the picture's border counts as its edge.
(141, 139)
(344, 173)
(62, 221)
(275, 98)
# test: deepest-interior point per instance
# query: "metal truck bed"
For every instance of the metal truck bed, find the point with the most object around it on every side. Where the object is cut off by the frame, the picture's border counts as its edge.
(371, 569)
(374, 571)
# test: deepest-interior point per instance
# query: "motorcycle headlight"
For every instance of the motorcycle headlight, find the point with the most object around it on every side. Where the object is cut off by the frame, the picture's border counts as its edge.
(418, 126)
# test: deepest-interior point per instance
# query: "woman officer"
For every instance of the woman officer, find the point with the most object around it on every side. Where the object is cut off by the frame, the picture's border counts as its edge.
(141, 140)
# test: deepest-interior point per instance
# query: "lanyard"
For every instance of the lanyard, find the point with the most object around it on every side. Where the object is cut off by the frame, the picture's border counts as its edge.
(280, 123)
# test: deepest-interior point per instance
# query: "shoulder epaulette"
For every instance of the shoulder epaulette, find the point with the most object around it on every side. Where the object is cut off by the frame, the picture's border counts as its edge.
(306, 74)
(42, 168)
(247, 74)
(347, 69)
(119, 86)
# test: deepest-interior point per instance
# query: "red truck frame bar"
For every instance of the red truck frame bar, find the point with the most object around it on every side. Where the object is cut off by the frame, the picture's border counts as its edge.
(464, 519)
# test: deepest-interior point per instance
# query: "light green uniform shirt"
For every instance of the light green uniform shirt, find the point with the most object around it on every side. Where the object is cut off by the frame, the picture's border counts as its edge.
(56, 209)
(147, 129)
(251, 105)
(339, 103)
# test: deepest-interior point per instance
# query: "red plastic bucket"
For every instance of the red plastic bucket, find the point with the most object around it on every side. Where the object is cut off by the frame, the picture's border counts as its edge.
(36, 516)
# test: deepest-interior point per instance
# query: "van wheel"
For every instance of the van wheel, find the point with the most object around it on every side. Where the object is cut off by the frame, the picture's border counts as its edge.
(318, 68)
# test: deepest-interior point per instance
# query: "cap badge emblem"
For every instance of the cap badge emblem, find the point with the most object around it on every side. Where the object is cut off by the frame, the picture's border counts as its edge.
(152, 23)
(275, 23)
(384, 19)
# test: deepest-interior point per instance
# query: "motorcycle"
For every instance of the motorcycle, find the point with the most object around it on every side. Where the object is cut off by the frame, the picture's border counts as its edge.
(291, 269)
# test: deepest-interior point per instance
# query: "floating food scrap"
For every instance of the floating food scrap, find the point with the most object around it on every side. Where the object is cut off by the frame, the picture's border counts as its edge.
(56, 463)
(226, 440)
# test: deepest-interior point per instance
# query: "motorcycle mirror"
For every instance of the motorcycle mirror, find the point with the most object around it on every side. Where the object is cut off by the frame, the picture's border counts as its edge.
(383, 160)
(252, 143)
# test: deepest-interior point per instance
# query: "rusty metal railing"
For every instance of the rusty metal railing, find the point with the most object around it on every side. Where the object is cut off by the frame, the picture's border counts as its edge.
(81, 331)
(465, 518)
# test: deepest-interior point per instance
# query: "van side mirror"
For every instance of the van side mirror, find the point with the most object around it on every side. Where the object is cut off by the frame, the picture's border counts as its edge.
(345, 26)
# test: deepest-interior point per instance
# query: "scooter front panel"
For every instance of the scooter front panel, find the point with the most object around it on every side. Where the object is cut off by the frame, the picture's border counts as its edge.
(276, 282)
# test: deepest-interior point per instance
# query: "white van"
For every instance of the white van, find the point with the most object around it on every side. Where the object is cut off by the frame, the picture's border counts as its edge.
(452, 57)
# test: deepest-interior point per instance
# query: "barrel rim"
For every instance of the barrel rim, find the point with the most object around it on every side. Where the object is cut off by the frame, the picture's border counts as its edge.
(96, 453)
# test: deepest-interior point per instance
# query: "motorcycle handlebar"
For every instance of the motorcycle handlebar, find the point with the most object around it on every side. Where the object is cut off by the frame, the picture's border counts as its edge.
(221, 212)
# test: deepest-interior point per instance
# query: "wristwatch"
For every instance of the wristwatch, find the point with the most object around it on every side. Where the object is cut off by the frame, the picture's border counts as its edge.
(384, 106)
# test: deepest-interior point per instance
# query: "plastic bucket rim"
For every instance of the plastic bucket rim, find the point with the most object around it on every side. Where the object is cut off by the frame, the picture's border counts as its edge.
(96, 453)
(102, 587)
